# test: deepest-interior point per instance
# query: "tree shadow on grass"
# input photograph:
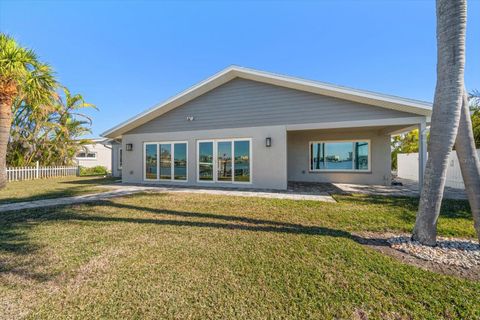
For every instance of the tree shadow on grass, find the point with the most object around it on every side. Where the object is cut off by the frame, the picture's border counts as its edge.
(20, 249)
(93, 180)
(19, 252)
(16, 247)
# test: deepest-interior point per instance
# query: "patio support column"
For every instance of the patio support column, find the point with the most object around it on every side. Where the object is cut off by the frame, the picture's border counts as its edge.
(422, 151)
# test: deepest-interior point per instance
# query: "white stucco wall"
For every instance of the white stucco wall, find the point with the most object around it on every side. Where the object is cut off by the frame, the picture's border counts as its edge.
(104, 156)
(269, 165)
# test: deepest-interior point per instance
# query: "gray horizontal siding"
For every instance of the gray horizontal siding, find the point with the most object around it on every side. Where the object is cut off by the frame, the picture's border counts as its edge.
(245, 103)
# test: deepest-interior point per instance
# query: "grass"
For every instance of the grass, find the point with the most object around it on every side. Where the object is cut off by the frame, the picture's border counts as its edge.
(18, 191)
(152, 256)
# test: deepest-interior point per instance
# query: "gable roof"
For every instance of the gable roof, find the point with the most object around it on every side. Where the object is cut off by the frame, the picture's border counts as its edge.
(361, 96)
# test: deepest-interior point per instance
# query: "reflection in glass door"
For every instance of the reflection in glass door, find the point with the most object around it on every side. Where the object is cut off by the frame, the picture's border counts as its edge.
(165, 161)
(151, 162)
(205, 161)
(224, 162)
(242, 161)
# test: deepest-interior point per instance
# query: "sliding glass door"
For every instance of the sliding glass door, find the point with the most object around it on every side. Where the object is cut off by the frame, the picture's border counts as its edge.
(166, 161)
(226, 161)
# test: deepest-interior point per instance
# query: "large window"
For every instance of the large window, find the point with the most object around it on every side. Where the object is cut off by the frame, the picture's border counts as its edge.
(166, 161)
(224, 161)
(340, 155)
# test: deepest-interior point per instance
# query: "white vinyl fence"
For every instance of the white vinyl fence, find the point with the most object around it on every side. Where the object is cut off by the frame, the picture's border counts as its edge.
(408, 169)
(38, 172)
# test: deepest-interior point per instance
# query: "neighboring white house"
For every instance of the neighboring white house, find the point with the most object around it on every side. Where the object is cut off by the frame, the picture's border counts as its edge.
(254, 129)
(97, 154)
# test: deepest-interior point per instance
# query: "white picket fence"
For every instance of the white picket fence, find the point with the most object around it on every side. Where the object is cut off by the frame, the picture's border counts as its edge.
(407, 164)
(38, 172)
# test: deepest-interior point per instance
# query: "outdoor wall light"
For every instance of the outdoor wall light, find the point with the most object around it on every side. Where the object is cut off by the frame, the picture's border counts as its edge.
(268, 142)
(129, 147)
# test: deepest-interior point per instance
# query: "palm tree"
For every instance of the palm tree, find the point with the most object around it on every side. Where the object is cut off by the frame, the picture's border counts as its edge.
(469, 162)
(71, 125)
(22, 76)
(50, 134)
(449, 91)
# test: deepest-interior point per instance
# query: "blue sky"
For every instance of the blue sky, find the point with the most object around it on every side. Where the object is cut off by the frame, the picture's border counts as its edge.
(127, 56)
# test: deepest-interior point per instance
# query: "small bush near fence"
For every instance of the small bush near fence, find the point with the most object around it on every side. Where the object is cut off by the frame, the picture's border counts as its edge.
(93, 171)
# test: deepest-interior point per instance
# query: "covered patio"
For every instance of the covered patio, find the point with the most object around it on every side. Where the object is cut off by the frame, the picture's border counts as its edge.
(349, 152)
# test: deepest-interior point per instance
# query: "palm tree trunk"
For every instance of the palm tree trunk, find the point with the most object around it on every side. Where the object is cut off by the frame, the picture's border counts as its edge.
(451, 28)
(469, 163)
(7, 92)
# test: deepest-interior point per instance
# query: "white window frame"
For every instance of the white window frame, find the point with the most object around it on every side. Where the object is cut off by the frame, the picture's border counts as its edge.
(87, 158)
(215, 160)
(369, 170)
(120, 158)
(172, 158)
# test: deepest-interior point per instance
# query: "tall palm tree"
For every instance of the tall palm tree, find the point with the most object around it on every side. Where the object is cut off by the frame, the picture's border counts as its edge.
(22, 76)
(449, 91)
(469, 162)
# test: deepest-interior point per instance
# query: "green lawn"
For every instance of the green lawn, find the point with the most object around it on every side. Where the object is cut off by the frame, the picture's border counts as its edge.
(154, 256)
(18, 191)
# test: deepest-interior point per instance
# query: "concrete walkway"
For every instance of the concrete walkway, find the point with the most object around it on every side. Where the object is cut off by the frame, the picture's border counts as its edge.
(123, 190)
(296, 191)
(68, 200)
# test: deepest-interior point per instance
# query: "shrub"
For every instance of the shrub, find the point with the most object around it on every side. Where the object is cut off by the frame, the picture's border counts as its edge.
(93, 171)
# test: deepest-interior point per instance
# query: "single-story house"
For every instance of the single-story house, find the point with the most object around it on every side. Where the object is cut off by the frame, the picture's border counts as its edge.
(254, 129)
